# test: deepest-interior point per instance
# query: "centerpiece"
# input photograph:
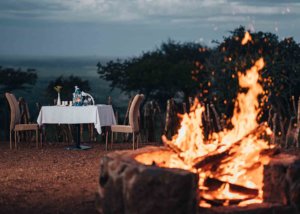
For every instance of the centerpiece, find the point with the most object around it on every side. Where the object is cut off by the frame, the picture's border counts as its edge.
(58, 90)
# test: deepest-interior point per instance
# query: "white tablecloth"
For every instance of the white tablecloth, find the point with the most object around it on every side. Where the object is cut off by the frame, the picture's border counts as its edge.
(100, 115)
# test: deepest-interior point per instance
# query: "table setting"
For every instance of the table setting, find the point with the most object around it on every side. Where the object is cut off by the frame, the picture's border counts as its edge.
(78, 111)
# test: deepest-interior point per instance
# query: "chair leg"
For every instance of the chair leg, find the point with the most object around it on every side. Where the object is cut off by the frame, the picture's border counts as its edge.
(138, 138)
(133, 138)
(41, 137)
(106, 140)
(10, 140)
(16, 139)
(37, 138)
(111, 140)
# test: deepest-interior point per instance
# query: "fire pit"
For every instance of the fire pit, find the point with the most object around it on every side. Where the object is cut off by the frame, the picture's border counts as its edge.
(128, 186)
(234, 171)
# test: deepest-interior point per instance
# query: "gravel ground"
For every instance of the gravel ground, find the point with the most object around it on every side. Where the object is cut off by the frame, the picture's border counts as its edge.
(50, 180)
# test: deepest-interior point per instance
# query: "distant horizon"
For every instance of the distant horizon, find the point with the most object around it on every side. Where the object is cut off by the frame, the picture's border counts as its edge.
(37, 56)
(61, 56)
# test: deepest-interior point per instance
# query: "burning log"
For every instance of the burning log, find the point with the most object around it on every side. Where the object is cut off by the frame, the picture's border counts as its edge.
(208, 161)
(221, 202)
(217, 157)
(214, 184)
(169, 145)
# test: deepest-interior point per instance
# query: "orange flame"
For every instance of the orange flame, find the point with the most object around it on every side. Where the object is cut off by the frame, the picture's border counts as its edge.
(240, 148)
(244, 164)
(246, 38)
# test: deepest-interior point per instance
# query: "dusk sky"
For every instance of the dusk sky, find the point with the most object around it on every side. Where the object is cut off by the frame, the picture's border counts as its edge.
(129, 27)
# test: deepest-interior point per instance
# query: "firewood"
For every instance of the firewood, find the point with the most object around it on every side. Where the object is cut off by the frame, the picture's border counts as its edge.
(208, 160)
(221, 202)
(215, 157)
(212, 197)
(217, 118)
(270, 152)
(214, 184)
(169, 145)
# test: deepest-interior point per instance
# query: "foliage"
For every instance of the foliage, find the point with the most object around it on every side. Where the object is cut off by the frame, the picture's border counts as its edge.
(189, 68)
(58, 88)
(10, 80)
(67, 84)
(281, 77)
(16, 79)
(159, 74)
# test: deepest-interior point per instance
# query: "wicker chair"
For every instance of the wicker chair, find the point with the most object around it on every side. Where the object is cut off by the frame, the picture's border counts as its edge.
(15, 119)
(133, 126)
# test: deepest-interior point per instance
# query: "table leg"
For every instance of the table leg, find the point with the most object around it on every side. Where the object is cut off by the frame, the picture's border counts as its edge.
(78, 140)
(78, 136)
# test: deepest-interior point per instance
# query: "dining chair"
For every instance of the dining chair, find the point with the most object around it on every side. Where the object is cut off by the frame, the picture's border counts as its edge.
(15, 122)
(24, 111)
(25, 117)
(133, 127)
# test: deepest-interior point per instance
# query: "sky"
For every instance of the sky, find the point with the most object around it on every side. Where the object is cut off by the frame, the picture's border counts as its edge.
(126, 28)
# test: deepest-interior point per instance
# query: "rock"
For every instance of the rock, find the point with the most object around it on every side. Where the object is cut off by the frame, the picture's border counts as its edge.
(126, 186)
(282, 181)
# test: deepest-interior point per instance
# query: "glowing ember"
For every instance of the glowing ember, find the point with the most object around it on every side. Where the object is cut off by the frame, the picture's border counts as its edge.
(230, 164)
(246, 38)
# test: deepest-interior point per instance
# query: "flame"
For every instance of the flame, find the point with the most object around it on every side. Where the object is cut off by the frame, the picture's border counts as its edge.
(233, 157)
(246, 38)
(242, 163)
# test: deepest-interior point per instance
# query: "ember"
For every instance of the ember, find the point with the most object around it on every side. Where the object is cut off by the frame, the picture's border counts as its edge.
(230, 163)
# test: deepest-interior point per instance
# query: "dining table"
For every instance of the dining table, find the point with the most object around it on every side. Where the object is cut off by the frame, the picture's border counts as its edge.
(100, 115)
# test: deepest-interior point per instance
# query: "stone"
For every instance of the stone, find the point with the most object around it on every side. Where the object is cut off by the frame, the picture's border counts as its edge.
(127, 186)
(282, 181)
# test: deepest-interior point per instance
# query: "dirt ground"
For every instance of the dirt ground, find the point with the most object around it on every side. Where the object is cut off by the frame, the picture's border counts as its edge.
(50, 180)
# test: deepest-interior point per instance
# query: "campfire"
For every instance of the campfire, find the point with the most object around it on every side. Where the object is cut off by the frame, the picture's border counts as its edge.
(230, 164)
(229, 168)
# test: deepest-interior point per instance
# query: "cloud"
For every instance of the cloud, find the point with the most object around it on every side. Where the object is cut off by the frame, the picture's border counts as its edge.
(125, 27)
(173, 11)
